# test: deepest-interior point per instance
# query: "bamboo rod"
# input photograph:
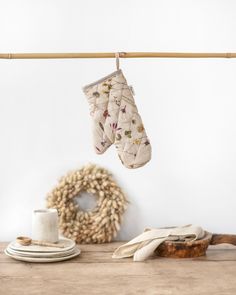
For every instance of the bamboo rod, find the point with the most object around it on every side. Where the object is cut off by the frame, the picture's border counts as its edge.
(112, 55)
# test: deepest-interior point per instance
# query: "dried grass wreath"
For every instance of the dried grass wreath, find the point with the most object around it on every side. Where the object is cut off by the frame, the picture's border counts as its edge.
(99, 225)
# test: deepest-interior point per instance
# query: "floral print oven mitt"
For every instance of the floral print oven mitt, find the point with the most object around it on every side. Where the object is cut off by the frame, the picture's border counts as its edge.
(116, 120)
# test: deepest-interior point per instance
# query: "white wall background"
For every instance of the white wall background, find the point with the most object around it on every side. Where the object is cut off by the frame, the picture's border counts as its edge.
(188, 107)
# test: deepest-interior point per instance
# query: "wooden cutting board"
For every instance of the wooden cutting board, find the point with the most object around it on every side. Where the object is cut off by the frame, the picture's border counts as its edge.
(197, 248)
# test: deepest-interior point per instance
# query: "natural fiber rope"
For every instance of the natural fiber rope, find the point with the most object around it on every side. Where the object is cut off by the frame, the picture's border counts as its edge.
(99, 225)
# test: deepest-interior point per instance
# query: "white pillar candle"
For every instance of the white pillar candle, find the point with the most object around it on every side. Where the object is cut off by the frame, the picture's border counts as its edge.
(45, 225)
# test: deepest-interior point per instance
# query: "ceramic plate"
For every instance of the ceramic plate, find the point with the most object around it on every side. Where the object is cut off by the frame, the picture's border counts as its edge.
(40, 254)
(68, 245)
(37, 259)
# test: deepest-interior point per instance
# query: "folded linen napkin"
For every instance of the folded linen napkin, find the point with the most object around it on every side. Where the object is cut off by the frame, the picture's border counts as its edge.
(145, 244)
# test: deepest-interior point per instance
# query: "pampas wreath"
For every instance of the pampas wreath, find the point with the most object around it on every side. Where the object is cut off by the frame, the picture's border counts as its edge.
(99, 225)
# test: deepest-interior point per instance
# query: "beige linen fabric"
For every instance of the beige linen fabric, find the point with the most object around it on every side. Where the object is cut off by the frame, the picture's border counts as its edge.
(116, 120)
(145, 244)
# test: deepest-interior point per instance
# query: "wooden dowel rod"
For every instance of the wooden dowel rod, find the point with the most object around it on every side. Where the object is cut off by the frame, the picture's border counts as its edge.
(112, 55)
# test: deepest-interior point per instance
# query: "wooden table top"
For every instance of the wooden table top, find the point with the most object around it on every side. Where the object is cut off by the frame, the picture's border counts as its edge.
(95, 272)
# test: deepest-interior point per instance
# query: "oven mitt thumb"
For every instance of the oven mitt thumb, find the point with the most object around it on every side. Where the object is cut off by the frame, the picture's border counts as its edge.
(98, 97)
(116, 120)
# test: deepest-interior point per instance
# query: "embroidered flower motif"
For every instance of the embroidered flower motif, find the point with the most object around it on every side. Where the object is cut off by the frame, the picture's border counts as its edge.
(140, 128)
(118, 137)
(123, 110)
(118, 103)
(106, 114)
(97, 149)
(103, 142)
(105, 92)
(107, 85)
(128, 133)
(106, 88)
(96, 94)
(137, 141)
(101, 126)
(114, 127)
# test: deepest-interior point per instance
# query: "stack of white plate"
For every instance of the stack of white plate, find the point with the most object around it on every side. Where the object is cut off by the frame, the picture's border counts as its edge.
(35, 253)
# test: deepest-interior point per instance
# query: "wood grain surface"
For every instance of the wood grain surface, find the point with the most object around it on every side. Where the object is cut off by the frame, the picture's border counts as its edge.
(95, 272)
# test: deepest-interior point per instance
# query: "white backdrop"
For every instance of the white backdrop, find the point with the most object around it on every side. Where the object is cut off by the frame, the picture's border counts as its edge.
(188, 107)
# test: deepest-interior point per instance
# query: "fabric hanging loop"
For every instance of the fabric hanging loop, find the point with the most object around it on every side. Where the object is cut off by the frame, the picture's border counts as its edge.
(117, 55)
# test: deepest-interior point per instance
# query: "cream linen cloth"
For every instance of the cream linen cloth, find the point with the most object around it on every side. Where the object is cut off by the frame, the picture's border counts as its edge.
(116, 120)
(145, 244)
